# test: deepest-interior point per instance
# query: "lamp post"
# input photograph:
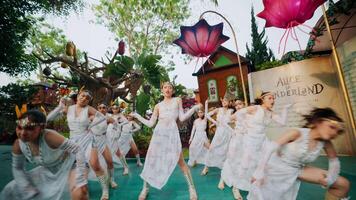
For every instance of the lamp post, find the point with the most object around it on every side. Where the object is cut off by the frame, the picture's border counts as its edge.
(340, 74)
(237, 50)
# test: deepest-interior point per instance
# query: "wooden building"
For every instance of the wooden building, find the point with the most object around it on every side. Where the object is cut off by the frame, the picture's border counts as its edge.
(219, 73)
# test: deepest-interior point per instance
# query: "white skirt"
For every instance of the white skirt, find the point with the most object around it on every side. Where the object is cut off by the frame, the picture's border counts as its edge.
(252, 150)
(162, 154)
(280, 183)
(218, 149)
(197, 150)
(124, 143)
(229, 172)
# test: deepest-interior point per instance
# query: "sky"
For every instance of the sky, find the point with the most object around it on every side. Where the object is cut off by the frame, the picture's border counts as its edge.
(96, 39)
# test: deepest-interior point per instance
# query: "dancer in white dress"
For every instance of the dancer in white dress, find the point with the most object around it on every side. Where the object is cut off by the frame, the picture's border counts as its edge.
(284, 163)
(114, 134)
(229, 172)
(87, 128)
(219, 145)
(257, 118)
(199, 142)
(126, 141)
(56, 175)
(165, 149)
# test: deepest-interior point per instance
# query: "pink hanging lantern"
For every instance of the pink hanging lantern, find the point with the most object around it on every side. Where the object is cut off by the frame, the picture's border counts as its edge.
(200, 40)
(288, 14)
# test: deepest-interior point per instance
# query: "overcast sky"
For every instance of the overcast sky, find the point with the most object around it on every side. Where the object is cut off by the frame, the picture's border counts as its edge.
(96, 39)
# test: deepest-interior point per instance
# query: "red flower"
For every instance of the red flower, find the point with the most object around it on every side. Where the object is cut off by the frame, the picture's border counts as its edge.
(200, 40)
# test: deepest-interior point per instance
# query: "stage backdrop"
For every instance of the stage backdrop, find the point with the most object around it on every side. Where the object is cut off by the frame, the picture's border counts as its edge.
(309, 83)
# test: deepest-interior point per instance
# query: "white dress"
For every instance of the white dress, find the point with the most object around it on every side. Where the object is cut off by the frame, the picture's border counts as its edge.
(219, 146)
(282, 170)
(253, 143)
(197, 150)
(126, 138)
(165, 146)
(229, 172)
(50, 176)
(79, 129)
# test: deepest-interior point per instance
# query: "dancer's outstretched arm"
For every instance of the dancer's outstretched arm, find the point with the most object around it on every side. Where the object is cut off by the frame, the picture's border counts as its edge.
(150, 123)
(58, 111)
(184, 116)
(209, 114)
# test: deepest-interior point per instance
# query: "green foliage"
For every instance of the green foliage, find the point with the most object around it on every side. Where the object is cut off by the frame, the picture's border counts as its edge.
(153, 73)
(143, 138)
(121, 66)
(16, 22)
(270, 64)
(142, 103)
(259, 53)
(147, 26)
(11, 95)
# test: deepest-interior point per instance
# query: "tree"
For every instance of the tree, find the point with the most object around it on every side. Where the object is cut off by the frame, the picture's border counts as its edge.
(259, 53)
(16, 22)
(147, 26)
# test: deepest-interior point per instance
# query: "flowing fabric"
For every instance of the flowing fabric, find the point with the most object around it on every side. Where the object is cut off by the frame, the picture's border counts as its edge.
(219, 146)
(281, 173)
(197, 150)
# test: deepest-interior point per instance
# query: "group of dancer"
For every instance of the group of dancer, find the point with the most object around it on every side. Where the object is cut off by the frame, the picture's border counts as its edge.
(248, 159)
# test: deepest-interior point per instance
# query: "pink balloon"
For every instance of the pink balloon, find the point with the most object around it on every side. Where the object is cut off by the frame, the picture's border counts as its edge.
(288, 13)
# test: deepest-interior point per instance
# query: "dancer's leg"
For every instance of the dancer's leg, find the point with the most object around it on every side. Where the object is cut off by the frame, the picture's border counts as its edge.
(77, 193)
(136, 152)
(188, 177)
(123, 162)
(108, 158)
(102, 177)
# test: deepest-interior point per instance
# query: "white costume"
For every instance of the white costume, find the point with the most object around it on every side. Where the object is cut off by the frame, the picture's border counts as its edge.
(49, 180)
(281, 173)
(219, 145)
(254, 141)
(165, 146)
(198, 137)
(126, 138)
(229, 172)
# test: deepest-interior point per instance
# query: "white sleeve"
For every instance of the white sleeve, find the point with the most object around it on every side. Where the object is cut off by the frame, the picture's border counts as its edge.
(136, 127)
(150, 123)
(192, 132)
(268, 150)
(333, 171)
(54, 114)
(184, 116)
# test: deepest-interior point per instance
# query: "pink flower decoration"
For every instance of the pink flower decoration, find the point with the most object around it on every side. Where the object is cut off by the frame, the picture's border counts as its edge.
(200, 40)
(288, 13)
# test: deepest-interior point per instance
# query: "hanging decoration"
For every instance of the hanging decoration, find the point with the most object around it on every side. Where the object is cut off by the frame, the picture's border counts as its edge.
(289, 14)
(201, 40)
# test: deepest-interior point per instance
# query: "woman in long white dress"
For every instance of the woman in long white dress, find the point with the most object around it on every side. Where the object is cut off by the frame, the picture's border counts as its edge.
(126, 141)
(56, 176)
(165, 149)
(285, 162)
(257, 118)
(198, 142)
(114, 133)
(219, 145)
(87, 128)
(229, 172)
